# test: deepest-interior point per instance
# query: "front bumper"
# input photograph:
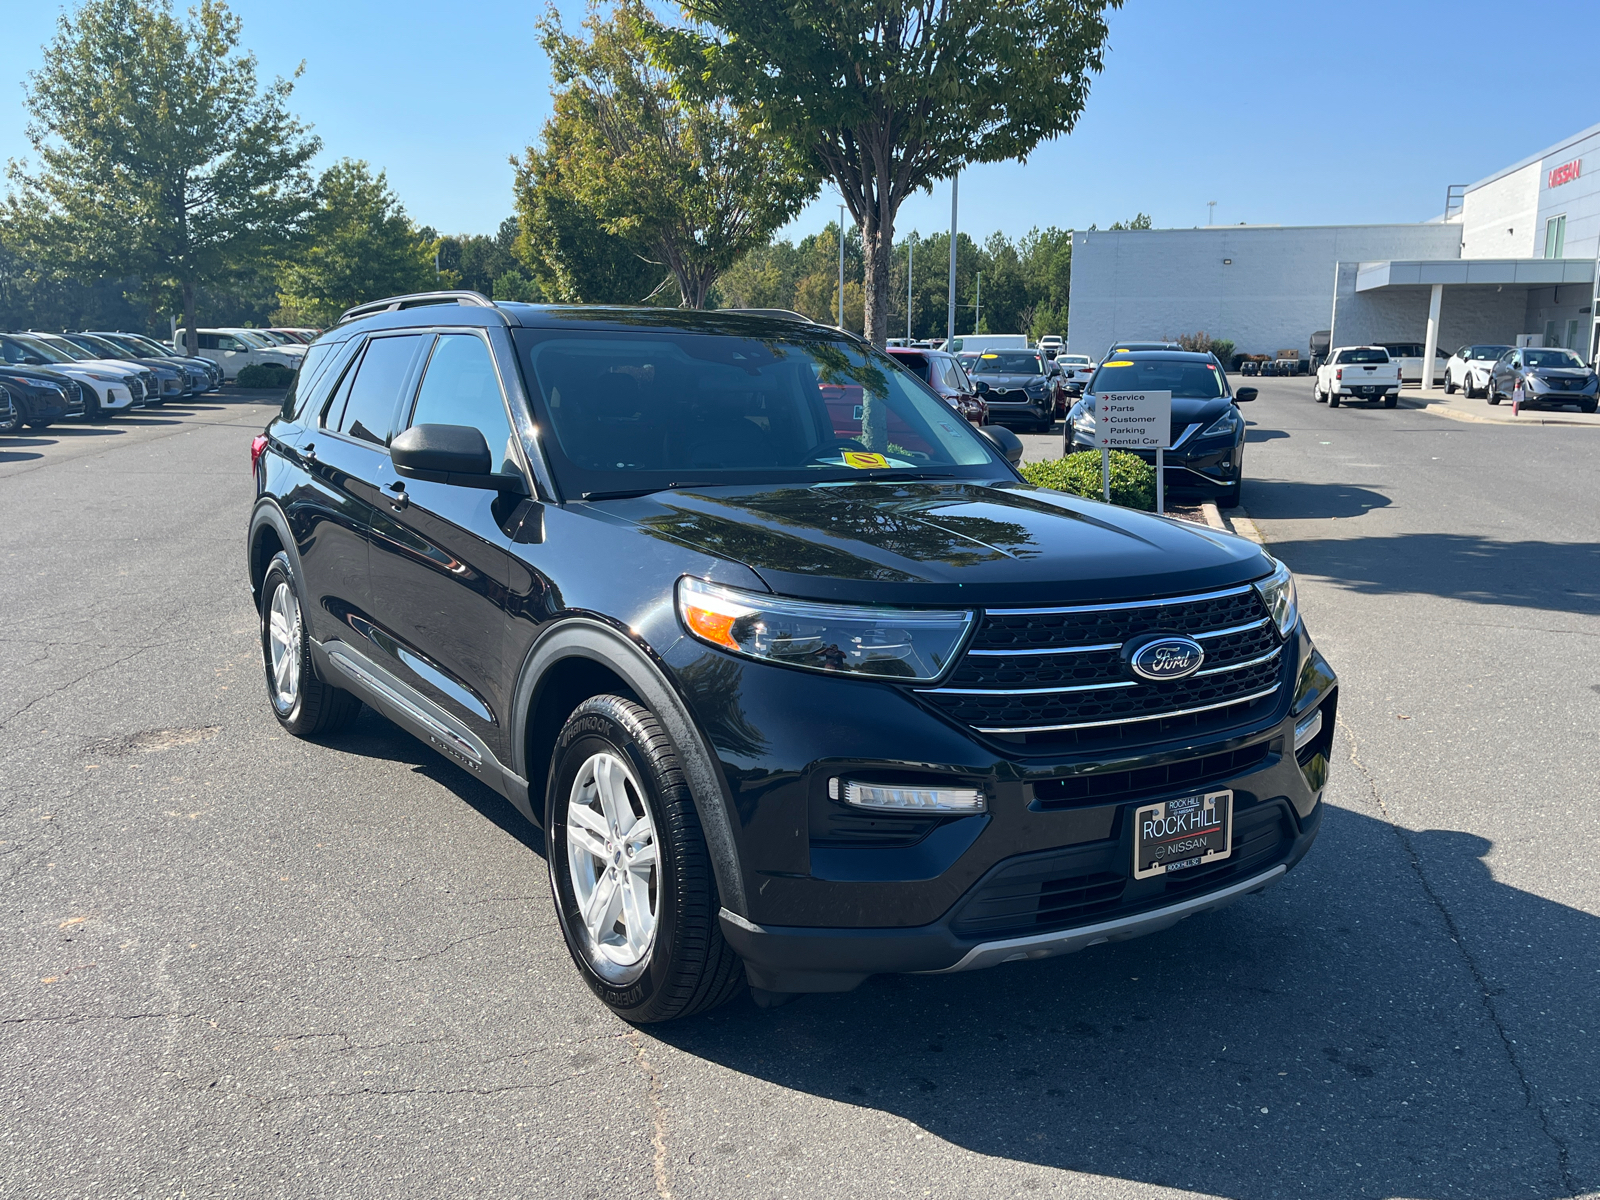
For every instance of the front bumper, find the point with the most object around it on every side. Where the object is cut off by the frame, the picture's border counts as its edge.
(1040, 408)
(1045, 870)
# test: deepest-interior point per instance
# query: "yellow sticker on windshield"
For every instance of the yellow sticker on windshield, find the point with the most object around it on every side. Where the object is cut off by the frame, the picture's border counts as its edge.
(1128, 362)
(863, 461)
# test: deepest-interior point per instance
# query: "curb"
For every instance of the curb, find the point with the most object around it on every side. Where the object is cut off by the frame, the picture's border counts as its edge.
(1236, 521)
(1444, 410)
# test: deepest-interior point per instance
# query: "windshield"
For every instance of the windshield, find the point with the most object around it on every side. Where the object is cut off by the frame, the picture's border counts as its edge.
(139, 341)
(1403, 349)
(1184, 378)
(635, 412)
(122, 347)
(1363, 356)
(250, 338)
(1552, 358)
(1485, 352)
(61, 346)
(1008, 362)
(37, 348)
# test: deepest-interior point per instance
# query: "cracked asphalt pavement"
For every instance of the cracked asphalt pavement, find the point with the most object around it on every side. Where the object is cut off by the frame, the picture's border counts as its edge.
(239, 964)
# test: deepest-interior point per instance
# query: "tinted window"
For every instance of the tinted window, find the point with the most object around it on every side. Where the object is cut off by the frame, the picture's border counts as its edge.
(370, 400)
(309, 376)
(954, 377)
(1552, 358)
(1002, 362)
(1188, 379)
(460, 387)
(646, 409)
(208, 341)
(1363, 356)
(1484, 351)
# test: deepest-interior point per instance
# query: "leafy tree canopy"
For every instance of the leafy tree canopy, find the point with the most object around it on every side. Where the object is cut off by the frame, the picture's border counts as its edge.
(359, 246)
(159, 154)
(695, 183)
(889, 96)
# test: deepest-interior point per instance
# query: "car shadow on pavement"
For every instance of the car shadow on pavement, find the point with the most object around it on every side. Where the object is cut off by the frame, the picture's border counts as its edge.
(375, 736)
(1287, 500)
(8, 455)
(1555, 576)
(1320, 1039)
(1256, 434)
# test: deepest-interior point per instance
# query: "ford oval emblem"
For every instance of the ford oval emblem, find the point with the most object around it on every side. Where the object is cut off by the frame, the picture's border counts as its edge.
(1167, 658)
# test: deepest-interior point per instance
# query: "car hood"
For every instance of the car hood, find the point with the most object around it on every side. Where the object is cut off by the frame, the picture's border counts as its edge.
(945, 543)
(34, 374)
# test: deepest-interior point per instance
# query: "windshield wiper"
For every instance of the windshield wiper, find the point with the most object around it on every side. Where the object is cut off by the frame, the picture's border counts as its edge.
(630, 493)
(895, 475)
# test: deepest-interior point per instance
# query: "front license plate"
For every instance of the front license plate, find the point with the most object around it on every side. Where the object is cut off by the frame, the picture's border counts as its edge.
(1178, 834)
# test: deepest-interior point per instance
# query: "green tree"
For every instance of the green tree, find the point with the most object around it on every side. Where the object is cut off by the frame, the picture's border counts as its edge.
(160, 156)
(695, 183)
(359, 246)
(890, 96)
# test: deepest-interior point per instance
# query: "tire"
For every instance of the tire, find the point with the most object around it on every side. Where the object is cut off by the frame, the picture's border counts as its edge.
(40, 422)
(304, 704)
(1392, 400)
(1491, 393)
(672, 963)
(1318, 395)
(1333, 399)
(1449, 384)
(12, 426)
(1588, 406)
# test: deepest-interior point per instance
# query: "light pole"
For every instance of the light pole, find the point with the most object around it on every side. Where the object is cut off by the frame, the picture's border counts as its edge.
(841, 266)
(911, 249)
(977, 304)
(950, 323)
(1211, 210)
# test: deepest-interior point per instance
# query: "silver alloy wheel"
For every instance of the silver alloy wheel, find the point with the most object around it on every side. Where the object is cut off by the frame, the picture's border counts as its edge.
(611, 853)
(283, 646)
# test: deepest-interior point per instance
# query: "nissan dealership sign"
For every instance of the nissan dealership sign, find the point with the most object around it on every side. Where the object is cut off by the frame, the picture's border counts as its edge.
(1565, 173)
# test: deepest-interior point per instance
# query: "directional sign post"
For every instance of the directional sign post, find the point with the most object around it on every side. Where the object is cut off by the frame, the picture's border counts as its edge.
(1134, 421)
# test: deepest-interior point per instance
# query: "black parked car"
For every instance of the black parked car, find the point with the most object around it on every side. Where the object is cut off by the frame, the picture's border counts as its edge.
(42, 397)
(801, 680)
(1207, 437)
(1019, 386)
(1548, 377)
(10, 415)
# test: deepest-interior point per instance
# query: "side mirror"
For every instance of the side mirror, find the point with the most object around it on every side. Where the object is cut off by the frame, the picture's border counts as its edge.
(982, 387)
(452, 454)
(32, 360)
(1245, 395)
(1003, 440)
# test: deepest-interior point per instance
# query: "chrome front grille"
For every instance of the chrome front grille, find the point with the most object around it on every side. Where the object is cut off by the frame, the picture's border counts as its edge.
(1052, 670)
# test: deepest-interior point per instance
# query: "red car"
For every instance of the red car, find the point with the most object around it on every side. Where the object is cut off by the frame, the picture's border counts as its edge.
(947, 378)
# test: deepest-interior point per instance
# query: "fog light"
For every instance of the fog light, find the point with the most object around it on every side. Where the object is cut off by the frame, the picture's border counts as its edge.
(1307, 729)
(909, 799)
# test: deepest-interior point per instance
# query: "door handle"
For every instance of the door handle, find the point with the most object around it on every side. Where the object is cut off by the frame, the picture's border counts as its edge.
(309, 450)
(399, 500)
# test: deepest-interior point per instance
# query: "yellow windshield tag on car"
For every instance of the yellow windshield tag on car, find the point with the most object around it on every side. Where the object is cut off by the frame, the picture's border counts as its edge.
(863, 461)
(1127, 362)
(989, 356)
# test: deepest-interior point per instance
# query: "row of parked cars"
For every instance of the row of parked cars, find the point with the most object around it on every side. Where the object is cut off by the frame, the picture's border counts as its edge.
(96, 374)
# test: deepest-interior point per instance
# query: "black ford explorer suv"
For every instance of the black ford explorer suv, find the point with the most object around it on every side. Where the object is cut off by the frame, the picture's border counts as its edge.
(801, 680)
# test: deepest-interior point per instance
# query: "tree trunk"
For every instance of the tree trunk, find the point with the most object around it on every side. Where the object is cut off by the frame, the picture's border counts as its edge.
(877, 248)
(191, 337)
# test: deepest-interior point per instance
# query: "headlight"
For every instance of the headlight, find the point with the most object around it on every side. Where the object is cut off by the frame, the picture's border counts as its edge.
(904, 644)
(1277, 592)
(1227, 423)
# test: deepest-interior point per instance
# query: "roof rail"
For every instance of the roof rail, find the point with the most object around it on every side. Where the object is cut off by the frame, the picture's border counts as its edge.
(415, 300)
(784, 313)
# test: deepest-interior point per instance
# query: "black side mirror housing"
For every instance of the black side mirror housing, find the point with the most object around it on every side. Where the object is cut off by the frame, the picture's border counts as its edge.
(981, 387)
(1245, 395)
(451, 454)
(1003, 440)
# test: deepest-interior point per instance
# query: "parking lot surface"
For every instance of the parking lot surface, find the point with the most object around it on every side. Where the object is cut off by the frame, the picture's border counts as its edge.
(239, 964)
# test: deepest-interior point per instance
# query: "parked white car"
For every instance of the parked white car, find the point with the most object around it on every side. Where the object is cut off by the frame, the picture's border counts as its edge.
(989, 341)
(1408, 357)
(1358, 373)
(1052, 344)
(108, 388)
(1078, 369)
(1469, 367)
(235, 349)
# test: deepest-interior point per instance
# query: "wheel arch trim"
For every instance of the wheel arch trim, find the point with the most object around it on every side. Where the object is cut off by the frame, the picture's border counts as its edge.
(589, 638)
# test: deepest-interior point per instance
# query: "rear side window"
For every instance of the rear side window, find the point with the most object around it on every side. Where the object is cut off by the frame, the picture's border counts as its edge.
(368, 402)
(461, 387)
(308, 379)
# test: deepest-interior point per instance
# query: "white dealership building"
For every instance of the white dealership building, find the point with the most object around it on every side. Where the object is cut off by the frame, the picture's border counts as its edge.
(1514, 254)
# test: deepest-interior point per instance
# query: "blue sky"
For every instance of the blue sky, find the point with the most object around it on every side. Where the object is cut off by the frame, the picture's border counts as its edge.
(1263, 106)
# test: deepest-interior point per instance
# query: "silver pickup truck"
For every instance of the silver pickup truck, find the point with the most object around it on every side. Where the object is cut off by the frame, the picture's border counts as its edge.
(1358, 373)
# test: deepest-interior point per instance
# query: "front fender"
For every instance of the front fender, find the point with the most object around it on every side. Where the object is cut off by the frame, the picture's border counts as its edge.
(591, 639)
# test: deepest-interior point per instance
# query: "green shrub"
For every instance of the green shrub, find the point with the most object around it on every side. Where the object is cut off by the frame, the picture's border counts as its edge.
(1133, 481)
(265, 375)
